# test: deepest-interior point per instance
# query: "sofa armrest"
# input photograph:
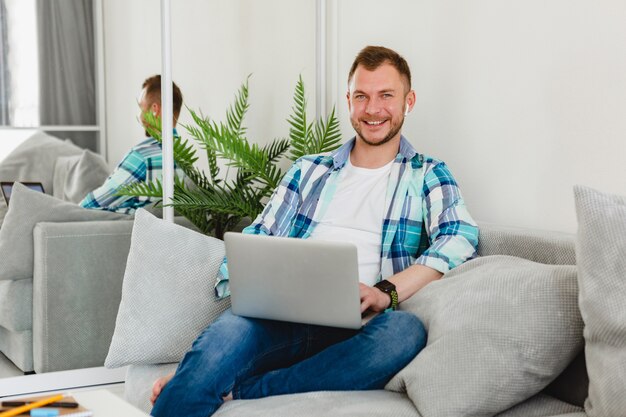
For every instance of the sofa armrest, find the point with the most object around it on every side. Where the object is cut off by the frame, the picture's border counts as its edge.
(77, 286)
(553, 248)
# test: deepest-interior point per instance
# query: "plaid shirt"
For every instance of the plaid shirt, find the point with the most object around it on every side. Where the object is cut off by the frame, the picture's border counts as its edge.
(143, 163)
(426, 220)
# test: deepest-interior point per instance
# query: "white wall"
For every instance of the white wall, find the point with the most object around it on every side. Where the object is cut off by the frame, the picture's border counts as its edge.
(522, 99)
(216, 44)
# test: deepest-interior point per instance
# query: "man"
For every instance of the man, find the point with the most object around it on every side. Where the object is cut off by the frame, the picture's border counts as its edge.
(143, 163)
(404, 212)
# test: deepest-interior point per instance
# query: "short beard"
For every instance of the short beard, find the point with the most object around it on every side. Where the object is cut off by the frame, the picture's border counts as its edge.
(392, 133)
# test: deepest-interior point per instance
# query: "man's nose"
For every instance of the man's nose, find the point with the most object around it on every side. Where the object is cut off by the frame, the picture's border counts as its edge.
(373, 106)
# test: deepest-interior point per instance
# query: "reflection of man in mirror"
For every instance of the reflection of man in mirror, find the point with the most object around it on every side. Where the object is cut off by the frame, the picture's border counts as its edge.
(143, 163)
(404, 213)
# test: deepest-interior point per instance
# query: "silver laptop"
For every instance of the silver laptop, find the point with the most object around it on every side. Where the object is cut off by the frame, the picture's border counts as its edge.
(296, 280)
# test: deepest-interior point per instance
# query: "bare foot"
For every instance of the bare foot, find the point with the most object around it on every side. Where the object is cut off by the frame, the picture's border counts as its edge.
(160, 383)
(158, 386)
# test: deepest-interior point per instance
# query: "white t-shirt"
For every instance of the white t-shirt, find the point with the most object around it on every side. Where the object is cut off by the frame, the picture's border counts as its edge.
(356, 214)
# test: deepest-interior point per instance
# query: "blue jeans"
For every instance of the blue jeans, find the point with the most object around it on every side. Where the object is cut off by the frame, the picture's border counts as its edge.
(254, 358)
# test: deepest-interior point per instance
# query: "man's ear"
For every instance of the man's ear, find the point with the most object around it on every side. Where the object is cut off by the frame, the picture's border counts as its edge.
(348, 99)
(410, 100)
(155, 109)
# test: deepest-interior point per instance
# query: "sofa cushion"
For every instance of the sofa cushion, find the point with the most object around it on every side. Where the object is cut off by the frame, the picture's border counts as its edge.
(542, 405)
(323, 404)
(167, 293)
(77, 175)
(34, 160)
(16, 304)
(139, 380)
(601, 255)
(28, 208)
(18, 347)
(541, 246)
(500, 329)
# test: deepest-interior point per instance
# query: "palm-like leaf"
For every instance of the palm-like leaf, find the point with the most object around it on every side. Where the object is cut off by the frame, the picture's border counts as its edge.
(326, 136)
(152, 189)
(276, 149)
(236, 150)
(299, 131)
(312, 138)
(236, 112)
(184, 153)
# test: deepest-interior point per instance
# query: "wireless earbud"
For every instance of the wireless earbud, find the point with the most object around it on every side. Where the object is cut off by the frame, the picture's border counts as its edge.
(406, 111)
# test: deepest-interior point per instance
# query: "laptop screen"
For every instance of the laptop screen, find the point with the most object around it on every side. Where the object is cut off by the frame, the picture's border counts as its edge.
(7, 188)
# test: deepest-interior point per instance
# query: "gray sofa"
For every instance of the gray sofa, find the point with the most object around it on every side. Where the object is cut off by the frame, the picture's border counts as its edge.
(83, 341)
(565, 395)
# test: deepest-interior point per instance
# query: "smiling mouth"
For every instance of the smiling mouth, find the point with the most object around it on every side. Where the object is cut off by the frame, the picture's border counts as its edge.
(374, 122)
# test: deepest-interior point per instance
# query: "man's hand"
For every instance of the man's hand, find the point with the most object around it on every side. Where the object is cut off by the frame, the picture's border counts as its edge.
(374, 299)
(407, 283)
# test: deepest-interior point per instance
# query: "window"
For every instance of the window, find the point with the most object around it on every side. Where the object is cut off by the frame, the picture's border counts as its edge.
(49, 59)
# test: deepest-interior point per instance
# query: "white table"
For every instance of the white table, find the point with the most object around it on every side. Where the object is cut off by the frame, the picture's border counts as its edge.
(62, 381)
(87, 386)
(104, 403)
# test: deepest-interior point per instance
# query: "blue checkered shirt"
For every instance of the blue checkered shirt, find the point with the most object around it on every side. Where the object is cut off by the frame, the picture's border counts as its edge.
(143, 163)
(426, 220)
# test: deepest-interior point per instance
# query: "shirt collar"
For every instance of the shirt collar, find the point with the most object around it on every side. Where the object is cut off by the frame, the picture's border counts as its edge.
(341, 155)
(151, 139)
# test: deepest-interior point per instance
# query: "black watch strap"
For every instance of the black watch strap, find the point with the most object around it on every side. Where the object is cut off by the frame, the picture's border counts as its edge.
(388, 288)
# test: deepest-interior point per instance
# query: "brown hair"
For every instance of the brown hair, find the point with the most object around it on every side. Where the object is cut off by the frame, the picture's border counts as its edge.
(372, 57)
(153, 93)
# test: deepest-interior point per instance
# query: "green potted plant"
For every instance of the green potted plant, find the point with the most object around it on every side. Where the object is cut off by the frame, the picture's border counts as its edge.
(216, 203)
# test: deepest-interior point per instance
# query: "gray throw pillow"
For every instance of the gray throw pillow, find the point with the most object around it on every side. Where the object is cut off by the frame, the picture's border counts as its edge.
(26, 209)
(167, 294)
(500, 328)
(601, 256)
(77, 175)
(33, 160)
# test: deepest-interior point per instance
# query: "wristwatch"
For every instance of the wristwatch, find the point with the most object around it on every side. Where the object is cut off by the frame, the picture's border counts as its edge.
(388, 288)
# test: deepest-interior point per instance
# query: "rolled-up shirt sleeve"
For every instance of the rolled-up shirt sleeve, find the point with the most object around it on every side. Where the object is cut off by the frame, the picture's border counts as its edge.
(132, 169)
(452, 232)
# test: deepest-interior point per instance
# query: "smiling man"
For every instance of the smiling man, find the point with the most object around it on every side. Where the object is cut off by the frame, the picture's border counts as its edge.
(404, 212)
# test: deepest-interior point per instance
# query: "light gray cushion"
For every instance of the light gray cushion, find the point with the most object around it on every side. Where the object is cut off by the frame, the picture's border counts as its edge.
(77, 175)
(377, 403)
(167, 294)
(28, 208)
(18, 347)
(601, 254)
(16, 298)
(34, 160)
(139, 380)
(500, 328)
(541, 246)
(542, 405)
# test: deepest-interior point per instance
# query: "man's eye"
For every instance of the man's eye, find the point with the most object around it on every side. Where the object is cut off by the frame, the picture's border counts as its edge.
(359, 97)
(387, 95)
